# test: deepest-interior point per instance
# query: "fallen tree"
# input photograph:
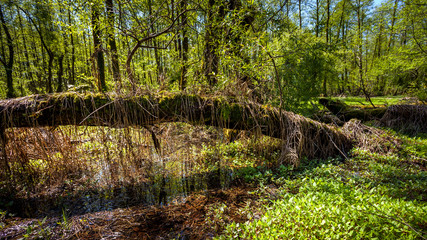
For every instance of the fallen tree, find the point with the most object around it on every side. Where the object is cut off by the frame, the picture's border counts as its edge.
(345, 112)
(302, 137)
(410, 119)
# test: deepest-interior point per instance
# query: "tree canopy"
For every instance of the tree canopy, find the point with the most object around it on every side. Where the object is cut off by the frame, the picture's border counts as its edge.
(290, 51)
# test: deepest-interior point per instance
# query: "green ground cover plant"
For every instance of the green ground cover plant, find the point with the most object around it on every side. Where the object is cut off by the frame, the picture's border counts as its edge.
(368, 196)
(377, 101)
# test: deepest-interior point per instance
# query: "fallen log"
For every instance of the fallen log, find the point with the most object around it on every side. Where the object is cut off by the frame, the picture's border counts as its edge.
(410, 119)
(345, 112)
(302, 136)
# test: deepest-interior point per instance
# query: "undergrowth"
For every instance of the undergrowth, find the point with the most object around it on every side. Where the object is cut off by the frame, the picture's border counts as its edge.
(372, 194)
(369, 196)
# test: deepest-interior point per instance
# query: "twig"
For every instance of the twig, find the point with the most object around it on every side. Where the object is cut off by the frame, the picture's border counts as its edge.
(96, 110)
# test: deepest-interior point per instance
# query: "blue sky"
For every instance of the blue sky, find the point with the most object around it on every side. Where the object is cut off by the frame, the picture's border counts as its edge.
(377, 2)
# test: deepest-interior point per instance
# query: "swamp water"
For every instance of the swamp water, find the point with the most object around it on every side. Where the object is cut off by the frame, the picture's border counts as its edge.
(104, 169)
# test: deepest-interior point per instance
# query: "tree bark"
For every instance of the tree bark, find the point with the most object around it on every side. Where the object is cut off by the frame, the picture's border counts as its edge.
(60, 74)
(45, 46)
(299, 14)
(73, 51)
(328, 3)
(49, 88)
(328, 6)
(393, 20)
(360, 51)
(27, 57)
(8, 65)
(317, 18)
(155, 44)
(211, 57)
(183, 81)
(98, 52)
(112, 42)
(307, 137)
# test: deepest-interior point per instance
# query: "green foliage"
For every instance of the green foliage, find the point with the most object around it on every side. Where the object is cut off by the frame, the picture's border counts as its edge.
(37, 230)
(258, 52)
(326, 208)
(377, 101)
(302, 69)
(370, 196)
(216, 216)
(242, 154)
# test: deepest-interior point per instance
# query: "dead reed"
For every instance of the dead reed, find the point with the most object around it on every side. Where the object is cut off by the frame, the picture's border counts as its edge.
(370, 138)
(105, 151)
(410, 119)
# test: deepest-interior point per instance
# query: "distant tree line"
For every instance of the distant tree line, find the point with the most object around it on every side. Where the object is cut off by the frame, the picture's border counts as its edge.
(279, 51)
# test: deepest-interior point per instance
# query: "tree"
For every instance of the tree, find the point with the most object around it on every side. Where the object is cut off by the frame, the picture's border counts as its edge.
(359, 8)
(7, 64)
(98, 54)
(112, 42)
(43, 22)
(215, 14)
(142, 39)
(306, 137)
(184, 68)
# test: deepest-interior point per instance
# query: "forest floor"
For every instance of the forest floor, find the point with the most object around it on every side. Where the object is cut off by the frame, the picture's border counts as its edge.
(372, 194)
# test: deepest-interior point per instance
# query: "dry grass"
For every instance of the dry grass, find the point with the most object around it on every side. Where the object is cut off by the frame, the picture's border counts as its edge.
(193, 218)
(410, 119)
(86, 169)
(302, 137)
(82, 164)
(370, 138)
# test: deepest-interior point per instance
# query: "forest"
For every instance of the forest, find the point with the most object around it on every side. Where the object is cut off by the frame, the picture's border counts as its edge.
(210, 119)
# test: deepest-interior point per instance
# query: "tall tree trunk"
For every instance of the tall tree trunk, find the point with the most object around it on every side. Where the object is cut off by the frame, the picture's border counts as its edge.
(317, 18)
(393, 20)
(328, 3)
(344, 39)
(360, 51)
(173, 17)
(2, 45)
(129, 67)
(8, 65)
(45, 46)
(49, 88)
(98, 52)
(183, 82)
(112, 42)
(60, 74)
(155, 44)
(73, 52)
(37, 61)
(211, 40)
(299, 14)
(328, 6)
(27, 57)
(341, 24)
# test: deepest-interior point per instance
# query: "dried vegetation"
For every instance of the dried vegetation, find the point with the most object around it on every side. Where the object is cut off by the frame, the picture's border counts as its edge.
(108, 167)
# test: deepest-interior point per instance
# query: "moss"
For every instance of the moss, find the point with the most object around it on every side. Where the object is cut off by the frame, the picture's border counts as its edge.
(172, 103)
(85, 109)
(378, 112)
